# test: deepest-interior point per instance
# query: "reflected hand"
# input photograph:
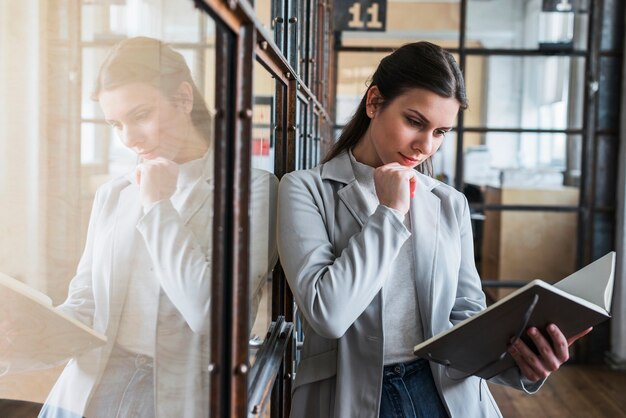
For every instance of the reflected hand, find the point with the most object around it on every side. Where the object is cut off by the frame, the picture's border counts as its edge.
(393, 186)
(157, 180)
(551, 354)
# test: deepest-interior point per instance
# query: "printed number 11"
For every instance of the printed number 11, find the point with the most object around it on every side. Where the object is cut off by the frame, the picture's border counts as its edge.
(356, 21)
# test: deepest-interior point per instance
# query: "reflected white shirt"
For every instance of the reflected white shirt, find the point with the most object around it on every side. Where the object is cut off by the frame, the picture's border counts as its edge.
(137, 328)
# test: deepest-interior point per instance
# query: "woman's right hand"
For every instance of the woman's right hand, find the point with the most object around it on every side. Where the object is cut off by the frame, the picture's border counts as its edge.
(157, 180)
(393, 186)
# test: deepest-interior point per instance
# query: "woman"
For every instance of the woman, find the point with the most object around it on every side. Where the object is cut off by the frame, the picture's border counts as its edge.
(379, 257)
(144, 276)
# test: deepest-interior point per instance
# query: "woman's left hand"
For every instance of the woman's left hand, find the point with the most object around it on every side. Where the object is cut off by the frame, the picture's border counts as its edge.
(551, 354)
(157, 180)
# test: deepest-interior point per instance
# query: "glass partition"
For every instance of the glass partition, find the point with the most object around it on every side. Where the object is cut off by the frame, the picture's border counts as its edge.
(533, 24)
(107, 215)
(264, 185)
(525, 92)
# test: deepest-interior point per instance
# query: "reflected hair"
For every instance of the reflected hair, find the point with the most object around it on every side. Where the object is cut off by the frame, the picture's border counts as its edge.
(148, 60)
(415, 65)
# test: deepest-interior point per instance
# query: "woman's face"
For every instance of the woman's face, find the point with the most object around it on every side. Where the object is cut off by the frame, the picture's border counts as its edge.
(146, 121)
(407, 130)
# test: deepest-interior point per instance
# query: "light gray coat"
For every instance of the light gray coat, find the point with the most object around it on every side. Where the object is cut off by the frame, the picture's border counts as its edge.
(179, 245)
(336, 256)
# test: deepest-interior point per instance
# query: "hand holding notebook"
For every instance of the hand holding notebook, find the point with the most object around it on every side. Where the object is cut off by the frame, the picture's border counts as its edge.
(480, 344)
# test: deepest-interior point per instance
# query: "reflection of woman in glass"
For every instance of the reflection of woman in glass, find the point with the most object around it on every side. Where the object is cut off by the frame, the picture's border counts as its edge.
(380, 257)
(144, 276)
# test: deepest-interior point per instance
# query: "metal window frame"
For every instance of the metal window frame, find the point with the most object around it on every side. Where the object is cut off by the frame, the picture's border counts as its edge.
(245, 40)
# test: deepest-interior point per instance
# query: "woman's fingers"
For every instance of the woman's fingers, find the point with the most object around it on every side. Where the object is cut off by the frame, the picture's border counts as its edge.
(573, 338)
(395, 185)
(551, 354)
(524, 358)
(157, 180)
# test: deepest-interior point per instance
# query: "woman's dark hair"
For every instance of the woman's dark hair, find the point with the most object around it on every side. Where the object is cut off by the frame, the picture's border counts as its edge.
(148, 60)
(420, 64)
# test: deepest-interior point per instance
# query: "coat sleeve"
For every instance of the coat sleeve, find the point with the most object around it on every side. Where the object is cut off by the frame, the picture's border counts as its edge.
(183, 267)
(332, 290)
(470, 300)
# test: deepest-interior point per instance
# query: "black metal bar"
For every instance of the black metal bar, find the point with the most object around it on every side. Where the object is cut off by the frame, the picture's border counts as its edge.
(240, 183)
(485, 129)
(525, 208)
(588, 157)
(278, 279)
(537, 208)
(281, 63)
(482, 129)
(477, 51)
(221, 303)
(503, 283)
(459, 161)
(243, 13)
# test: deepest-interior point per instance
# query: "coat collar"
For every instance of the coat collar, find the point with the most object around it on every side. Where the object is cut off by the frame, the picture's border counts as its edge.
(201, 189)
(339, 169)
(126, 237)
(425, 212)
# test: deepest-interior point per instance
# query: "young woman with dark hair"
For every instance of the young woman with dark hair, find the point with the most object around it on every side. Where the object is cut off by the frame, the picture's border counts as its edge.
(379, 257)
(144, 277)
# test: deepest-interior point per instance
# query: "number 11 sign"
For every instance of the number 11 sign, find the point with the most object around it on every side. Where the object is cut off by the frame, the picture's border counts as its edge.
(364, 15)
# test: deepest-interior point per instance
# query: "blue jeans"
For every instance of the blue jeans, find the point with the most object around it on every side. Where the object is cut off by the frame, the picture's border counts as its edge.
(126, 389)
(409, 392)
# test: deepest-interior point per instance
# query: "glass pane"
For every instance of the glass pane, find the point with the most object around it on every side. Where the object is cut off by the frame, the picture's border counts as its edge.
(408, 21)
(263, 189)
(117, 242)
(271, 15)
(355, 69)
(510, 238)
(524, 25)
(303, 136)
(264, 184)
(521, 160)
(304, 41)
(525, 92)
(444, 160)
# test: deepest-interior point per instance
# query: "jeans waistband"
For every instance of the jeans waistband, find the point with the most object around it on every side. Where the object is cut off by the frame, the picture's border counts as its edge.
(401, 369)
(141, 361)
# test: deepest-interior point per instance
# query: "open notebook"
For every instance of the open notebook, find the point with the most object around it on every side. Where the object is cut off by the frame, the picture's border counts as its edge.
(478, 345)
(35, 334)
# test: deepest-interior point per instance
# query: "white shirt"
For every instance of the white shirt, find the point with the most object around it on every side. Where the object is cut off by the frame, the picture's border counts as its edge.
(137, 329)
(401, 320)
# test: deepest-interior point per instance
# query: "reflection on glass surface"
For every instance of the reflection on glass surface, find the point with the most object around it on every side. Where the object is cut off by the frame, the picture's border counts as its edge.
(135, 169)
(264, 185)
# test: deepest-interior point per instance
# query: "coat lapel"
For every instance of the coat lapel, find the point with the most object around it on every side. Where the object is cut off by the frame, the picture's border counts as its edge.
(425, 212)
(125, 241)
(200, 192)
(339, 169)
